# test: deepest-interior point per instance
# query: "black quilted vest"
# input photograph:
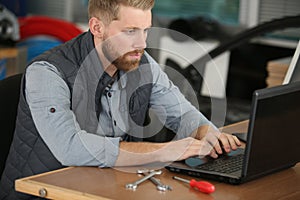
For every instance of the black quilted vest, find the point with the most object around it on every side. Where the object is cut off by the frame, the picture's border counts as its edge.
(29, 154)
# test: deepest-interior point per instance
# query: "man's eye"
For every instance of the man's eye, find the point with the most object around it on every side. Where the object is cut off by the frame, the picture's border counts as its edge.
(146, 30)
(130, 31)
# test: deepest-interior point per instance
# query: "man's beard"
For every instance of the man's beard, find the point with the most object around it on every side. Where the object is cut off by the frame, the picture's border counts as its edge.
(127, 65)
(122, 62)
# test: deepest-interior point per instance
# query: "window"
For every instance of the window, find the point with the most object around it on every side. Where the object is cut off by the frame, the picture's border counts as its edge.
(225, 11)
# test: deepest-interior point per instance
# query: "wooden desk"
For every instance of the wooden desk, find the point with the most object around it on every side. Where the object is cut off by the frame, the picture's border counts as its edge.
(87, 183)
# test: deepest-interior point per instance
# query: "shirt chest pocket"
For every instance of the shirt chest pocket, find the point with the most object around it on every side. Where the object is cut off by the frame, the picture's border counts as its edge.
(139, 105)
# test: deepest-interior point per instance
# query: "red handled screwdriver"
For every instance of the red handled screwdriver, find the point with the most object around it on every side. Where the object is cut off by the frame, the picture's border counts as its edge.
(202, 186)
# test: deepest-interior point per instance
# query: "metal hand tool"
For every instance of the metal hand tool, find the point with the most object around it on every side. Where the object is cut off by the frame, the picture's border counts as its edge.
(136, 183)
(159, 185)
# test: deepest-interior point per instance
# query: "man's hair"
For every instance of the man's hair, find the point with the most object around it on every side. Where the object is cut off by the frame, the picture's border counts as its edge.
(108, 10)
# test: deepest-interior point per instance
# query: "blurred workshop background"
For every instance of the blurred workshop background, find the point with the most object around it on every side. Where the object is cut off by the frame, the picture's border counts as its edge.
(241, 37)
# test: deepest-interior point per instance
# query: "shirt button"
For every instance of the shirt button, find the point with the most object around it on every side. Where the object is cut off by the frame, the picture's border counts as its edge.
(52, 110)
(109, 94)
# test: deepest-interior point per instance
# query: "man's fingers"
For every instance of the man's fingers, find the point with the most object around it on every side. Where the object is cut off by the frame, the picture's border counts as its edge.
(218, 148)
(224, 140)
(228, 142)
(236, 140)
(213, 154)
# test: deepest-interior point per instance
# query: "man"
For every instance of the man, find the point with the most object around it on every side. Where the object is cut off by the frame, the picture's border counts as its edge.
(86, 103)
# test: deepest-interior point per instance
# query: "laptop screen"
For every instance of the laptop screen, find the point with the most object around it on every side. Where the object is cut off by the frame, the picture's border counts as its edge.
(293, 73)
(275, 122)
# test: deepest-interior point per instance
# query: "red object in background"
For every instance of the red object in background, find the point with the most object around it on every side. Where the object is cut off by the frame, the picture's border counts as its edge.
(43, 25)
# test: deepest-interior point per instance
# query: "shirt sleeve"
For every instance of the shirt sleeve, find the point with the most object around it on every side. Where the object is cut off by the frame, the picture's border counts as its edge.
(171, 107)
(48, 97)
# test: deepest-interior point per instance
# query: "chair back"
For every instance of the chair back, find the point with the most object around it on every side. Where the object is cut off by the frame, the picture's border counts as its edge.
(9, 99)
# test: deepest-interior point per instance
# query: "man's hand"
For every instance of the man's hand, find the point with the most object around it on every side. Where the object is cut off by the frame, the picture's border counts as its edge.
(205, 141)
(226, 142)
(218, 140)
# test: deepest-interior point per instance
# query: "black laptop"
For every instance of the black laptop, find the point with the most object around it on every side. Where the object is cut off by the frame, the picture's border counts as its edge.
(273, 141)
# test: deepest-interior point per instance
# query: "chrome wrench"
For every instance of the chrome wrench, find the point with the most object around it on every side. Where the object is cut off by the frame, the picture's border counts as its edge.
(134, 185)
(159, 185)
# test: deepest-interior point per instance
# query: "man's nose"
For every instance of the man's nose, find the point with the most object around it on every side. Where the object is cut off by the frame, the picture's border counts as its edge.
(140, 40)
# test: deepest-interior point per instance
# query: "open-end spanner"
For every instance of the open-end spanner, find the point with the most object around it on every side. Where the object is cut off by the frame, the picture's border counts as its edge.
(159, 185)
(136, 183)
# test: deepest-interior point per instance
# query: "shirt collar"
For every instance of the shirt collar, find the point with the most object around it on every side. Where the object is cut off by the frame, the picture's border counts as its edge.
(122, 80)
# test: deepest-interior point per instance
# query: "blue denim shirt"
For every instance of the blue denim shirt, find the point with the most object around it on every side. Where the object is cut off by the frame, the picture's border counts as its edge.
(71, 145)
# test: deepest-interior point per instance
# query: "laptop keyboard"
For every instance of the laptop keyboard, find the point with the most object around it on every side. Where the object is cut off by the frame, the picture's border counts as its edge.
(224, 164)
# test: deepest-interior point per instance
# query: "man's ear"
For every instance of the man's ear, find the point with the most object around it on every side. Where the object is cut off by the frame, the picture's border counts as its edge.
(96, 27)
